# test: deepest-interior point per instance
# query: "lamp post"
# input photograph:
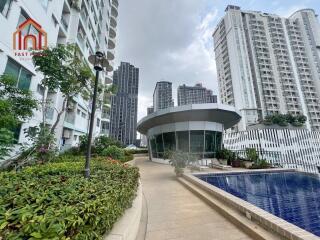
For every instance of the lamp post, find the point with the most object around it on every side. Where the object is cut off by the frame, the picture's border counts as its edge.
(99, 62)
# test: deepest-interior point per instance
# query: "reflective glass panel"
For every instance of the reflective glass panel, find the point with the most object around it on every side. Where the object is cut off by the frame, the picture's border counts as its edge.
(196, 141)
(210, 141)
(169, 141)
(159, 143)
(153, 147)
(183, 141)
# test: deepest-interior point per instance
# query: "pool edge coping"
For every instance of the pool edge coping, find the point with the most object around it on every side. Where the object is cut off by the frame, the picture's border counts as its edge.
(264, 218)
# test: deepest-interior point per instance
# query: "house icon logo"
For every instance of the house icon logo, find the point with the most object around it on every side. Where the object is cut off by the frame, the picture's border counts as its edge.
(24, 40)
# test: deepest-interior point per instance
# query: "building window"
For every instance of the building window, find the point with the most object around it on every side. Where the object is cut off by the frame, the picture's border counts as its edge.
(5, 7)
(22, 75)
(40, 89)
(98, 122)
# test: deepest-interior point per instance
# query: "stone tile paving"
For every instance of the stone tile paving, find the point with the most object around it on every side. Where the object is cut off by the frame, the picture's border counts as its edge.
(175, 213)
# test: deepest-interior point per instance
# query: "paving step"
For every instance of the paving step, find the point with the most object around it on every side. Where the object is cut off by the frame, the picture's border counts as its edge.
(251, 228)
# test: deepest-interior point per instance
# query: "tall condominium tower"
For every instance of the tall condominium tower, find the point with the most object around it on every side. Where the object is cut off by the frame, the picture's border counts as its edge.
(193, 95)
(90, 24)
(162, 96)
(268, 64)
(124, 105)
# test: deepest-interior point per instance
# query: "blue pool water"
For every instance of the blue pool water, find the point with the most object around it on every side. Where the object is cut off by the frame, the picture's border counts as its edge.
(292, 196)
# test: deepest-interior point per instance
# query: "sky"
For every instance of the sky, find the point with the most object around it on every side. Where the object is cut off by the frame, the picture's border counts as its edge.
(171, 40)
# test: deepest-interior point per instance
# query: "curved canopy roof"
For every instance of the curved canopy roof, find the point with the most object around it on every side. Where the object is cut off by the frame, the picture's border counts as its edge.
(210, 112)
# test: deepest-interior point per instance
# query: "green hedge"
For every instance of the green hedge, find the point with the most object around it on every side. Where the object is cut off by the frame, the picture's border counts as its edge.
(137, 151)
(54, 201)
(113, 152)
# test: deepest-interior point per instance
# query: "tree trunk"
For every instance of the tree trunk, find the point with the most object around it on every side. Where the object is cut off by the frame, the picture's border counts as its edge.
(53, 128)
(43, 110)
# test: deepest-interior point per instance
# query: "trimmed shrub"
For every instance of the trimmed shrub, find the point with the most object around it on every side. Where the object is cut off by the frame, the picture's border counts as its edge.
(114, 152)
(128, 156)
(261, 164)
(138, 151)
(54, 201)
(103, 142)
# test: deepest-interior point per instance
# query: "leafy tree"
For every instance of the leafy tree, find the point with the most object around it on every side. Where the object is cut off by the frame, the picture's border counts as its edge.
(65, 70)
(285, 120)
(301, 119)
(44, 148)
(290, 118)
(16, 106)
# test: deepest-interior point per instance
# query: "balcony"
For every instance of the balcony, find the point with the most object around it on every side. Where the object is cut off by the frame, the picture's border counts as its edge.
(113, 22)
(114, 11)
(64, 23)
(110, 55)
(62, 37)
(70, 118)
(65, 17)
(112, 33)
(111, 44)
(115, 3)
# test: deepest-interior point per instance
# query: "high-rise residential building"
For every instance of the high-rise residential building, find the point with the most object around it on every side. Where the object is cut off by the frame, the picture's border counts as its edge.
(195, 95)
(162, 96)
(150, 110)
(124, 105)
(269, 64)
(90, 24)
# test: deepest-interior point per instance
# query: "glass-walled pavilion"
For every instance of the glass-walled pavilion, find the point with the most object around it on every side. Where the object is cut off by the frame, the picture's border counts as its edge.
(195, 129)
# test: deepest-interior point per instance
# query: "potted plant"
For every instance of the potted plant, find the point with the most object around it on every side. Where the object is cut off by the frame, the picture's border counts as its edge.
(179, 161)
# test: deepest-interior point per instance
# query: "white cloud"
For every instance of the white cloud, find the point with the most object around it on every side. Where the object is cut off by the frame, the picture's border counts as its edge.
(286, 12)
(143, 103)
(167, 40)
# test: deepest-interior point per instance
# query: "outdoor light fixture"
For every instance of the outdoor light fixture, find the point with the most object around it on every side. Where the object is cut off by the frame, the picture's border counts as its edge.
(99, 63)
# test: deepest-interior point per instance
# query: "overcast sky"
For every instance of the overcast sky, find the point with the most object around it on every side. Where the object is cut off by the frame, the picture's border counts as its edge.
(172, 39)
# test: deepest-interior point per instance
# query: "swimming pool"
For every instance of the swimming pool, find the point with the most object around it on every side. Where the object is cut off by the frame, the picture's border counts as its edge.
(292, 196)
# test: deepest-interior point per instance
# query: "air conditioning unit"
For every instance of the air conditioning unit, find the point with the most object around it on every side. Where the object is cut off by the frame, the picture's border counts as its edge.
(66, 134)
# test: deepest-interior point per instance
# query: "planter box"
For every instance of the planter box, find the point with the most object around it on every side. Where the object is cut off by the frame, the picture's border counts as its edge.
(236, 163)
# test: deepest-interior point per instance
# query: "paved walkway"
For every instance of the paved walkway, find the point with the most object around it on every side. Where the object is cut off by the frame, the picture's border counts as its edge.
(175, 213)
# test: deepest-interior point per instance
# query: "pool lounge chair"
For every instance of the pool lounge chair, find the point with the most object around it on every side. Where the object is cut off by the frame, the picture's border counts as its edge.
(216, 164)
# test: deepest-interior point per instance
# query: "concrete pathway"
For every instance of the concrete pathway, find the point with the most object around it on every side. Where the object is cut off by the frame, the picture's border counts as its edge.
(175, 213)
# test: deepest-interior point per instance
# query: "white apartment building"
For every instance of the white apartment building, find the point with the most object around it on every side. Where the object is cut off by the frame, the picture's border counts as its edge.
(268, 64)
(162, 96)
(195, 95)
(91, 24)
